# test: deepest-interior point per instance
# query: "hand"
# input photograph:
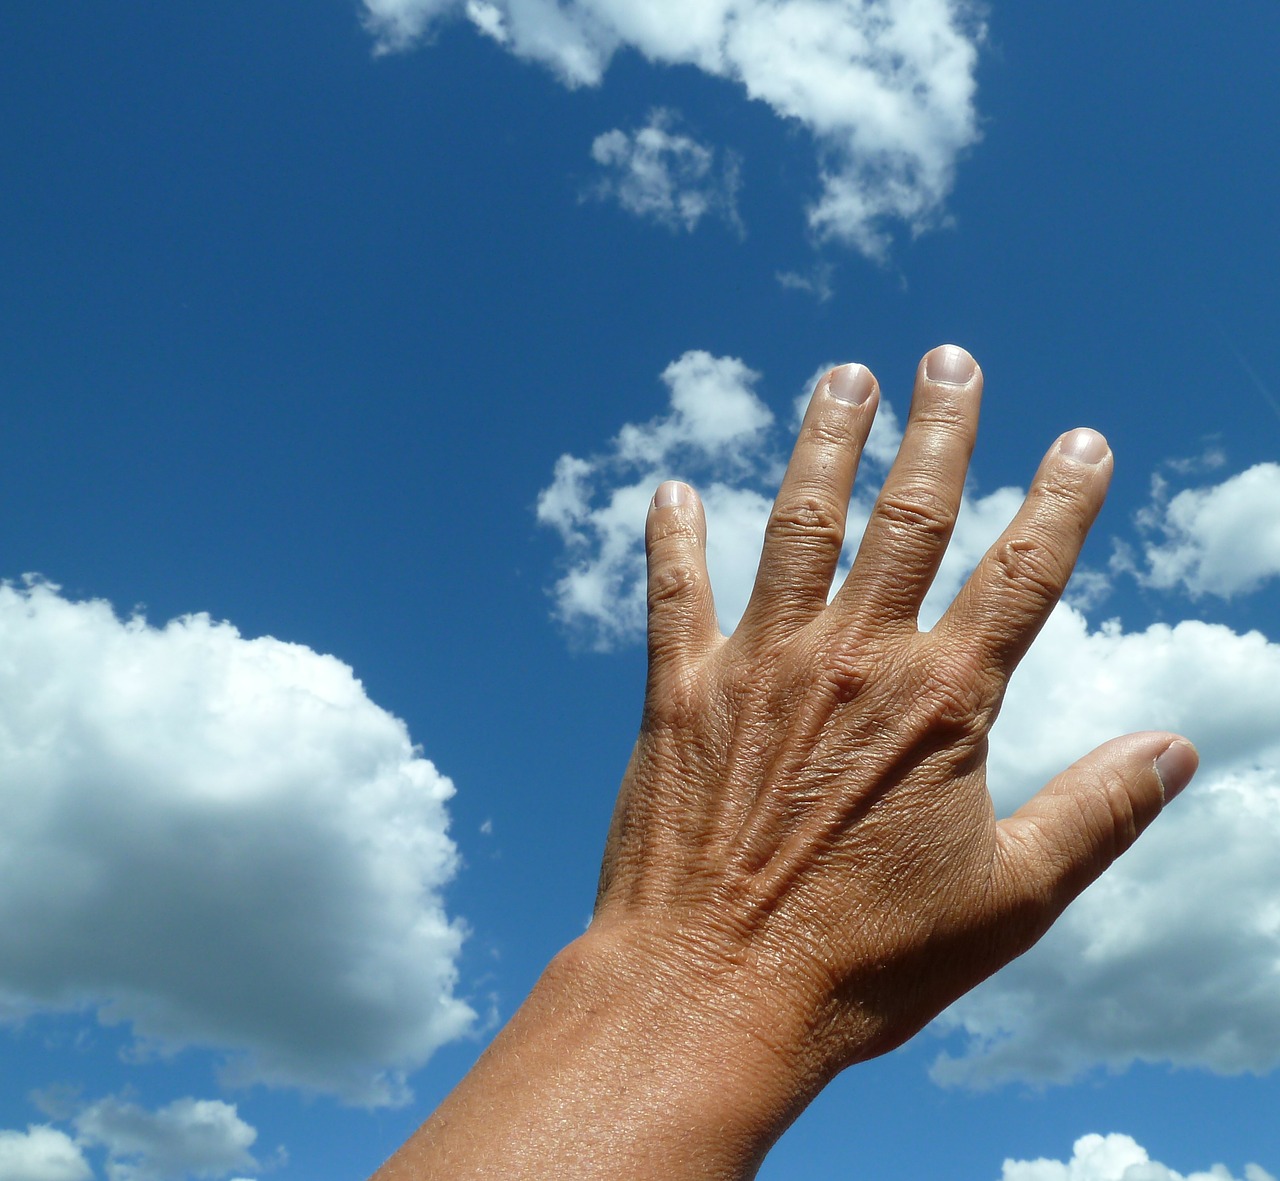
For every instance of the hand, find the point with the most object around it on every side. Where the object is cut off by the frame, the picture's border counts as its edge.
(804, 865)
(805, 825)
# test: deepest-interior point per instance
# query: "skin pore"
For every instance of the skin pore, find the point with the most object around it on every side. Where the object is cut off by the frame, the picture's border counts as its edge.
(804, 865)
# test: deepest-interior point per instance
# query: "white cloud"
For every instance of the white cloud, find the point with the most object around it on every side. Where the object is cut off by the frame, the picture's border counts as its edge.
(1115, 1158)
(717, 435)
(886, 88)
(715, 422)
(1174, 956)
(715, 415)
(1222, 540)
(397, 24)
(202, 1138)
(817, 282)
(41, 1153)
(488, 19)
(224, 843)
(659, 174)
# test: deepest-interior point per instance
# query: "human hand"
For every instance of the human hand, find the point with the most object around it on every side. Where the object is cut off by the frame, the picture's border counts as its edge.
(804, 864)
(804, 841)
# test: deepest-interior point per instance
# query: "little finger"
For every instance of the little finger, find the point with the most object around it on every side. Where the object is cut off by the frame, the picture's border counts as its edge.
(682, 615)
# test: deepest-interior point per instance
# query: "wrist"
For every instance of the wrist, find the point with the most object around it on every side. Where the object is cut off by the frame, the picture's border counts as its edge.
(625, 1060)
(712, 1051)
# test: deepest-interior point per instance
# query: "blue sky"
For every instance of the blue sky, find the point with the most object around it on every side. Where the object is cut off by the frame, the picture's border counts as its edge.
(303, 310)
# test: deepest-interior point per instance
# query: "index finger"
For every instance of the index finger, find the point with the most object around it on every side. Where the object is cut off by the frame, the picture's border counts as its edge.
(1019, 581)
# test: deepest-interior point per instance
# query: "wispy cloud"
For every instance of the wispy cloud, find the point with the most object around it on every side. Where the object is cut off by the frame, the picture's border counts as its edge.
(886, 89)
(221, 842)
(661, 175)
(816, 281)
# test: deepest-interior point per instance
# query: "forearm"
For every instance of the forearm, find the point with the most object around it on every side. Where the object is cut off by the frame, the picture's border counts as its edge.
(600, 1076)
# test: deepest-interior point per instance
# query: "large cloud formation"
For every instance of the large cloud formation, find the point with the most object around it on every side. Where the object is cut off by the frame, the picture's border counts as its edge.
(1174, 955)
(222, 842)
(885, 87)
(1115, 1158)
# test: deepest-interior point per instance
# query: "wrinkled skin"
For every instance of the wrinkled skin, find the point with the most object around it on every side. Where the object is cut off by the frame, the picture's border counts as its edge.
(804, 865)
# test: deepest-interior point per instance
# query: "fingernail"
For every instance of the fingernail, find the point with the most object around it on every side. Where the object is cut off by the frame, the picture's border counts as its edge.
(1175, 767)
(1084, 446)
(851, 384)
(671, 494)
(950, 364)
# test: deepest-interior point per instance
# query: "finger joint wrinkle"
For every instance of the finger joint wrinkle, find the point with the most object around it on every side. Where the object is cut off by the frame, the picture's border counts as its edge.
(920, 511)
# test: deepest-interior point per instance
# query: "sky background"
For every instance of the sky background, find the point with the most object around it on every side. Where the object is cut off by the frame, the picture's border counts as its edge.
(302, 309)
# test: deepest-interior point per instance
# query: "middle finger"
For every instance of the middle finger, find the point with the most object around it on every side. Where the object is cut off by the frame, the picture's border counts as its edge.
(805, 532)
(915, 512)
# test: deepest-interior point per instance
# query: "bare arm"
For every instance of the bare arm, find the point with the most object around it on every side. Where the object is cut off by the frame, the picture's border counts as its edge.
(804, 866)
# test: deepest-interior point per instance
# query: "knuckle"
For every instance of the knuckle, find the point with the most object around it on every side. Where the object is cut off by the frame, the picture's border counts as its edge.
(1106, 824)
(810, 518)
(920, 509)
(1058, 504)
(825, 433)
(958, 694)
(674, 579)
(942, 414)
(675, 702)
(1124, 826)
(948, 706)
(1062, 486)
(664, 530)
(1029, 567)
(843, 671)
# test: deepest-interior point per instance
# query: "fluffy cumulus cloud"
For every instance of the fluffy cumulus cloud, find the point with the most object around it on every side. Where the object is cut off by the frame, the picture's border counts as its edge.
(42, 1153)
(188, 1138)
(1174, 956)
(660, 174)
(715, 423)
(717, 434)
(886, 88)
(202, 1138)
(1116, 1158)
(222, 842)
(1223, 539)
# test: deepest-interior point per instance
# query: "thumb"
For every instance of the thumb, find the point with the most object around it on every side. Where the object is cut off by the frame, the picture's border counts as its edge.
(1066, 835)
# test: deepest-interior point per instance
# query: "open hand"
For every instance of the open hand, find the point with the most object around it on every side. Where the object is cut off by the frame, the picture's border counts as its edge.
(804, 837)
(804, 865)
